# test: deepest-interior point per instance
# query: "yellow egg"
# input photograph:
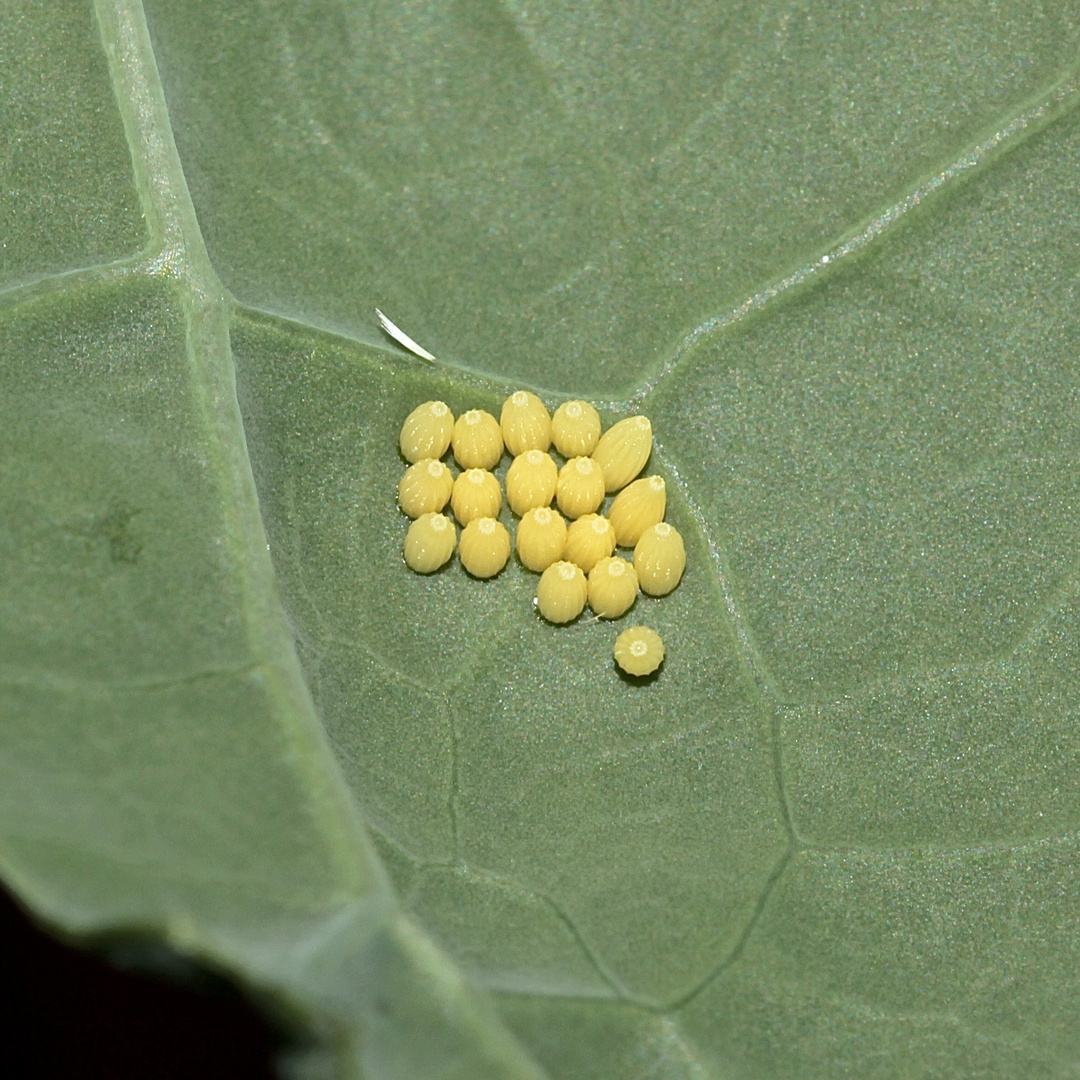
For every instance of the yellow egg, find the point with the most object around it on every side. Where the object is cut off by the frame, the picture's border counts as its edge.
(575, 428)
(477, 440)
(581, 487)
(531, 481)
(562, 591)
(639, 650)
(637, 507)
(613, 587)
(426, 432)
(429, 543)
(526, 424)
(425, 488)
(476, 494)
(588, 540)
(623, 450)
(541, 538)
(485, 547)
(659, 559)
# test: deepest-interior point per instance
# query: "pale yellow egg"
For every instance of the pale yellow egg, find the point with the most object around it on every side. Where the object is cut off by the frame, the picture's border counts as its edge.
(575, 428)
(477, 440)
(526, 424)
(659, 559)
(531, 481)
(541, 538)
(429, 543)
(636, 508)
(425, 488)
(476, 493)
(588, 540)
(639, 650)
(562, 592)
(580, 488)
(427, 431)
(623, 450)
(484, 547)
(613, 587)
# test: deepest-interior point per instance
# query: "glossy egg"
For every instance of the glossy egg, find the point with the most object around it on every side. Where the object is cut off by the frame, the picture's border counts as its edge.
(541, 538)
(526, 424)
(477, 440)
(613, 587)
(562, 592)
(636, 508)
(429, 543)
(623, 450)
(476, 493)
(484, 547)
(588, 540)
(427, 431)
(575, 429)
(425, 488)
(659, 559)
(580, 488)
(639, 650)
(531, 481)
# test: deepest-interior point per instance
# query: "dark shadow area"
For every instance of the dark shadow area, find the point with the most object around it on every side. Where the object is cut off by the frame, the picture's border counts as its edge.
(69, 1013)
(638, 680)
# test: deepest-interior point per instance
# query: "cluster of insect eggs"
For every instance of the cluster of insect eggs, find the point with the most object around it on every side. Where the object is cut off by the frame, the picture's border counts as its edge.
(577, 562)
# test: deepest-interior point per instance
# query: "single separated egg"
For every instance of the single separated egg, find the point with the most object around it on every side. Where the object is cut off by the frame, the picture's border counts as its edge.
(639, 650)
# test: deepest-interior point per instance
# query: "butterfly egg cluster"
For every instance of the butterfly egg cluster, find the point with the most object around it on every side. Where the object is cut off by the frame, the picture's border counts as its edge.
(576, 561)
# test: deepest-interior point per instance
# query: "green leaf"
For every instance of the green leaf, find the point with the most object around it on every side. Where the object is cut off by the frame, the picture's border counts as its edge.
(834, 255)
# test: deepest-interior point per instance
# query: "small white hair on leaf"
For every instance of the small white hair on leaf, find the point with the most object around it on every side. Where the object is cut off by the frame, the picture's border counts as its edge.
(402, 338)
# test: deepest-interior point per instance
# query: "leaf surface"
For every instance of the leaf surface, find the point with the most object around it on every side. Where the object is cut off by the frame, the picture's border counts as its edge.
(832, 255)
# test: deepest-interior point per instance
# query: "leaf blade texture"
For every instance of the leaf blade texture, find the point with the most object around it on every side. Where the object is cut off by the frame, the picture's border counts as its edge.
(832, 256)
